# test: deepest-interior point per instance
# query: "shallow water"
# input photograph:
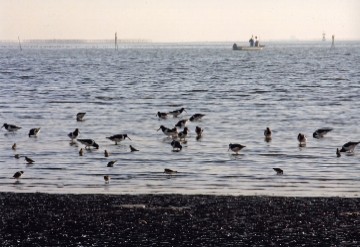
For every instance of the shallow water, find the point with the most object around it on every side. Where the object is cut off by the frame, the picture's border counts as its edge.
(291, 88)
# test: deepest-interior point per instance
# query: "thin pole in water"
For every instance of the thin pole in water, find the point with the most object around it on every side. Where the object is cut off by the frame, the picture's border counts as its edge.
(19, 43)
(116, 45)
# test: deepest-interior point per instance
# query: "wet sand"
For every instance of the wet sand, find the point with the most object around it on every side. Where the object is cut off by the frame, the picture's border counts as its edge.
(177, 220)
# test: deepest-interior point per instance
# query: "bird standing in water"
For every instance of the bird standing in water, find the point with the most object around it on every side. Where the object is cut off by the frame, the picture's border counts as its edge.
(34, 132)
(118, 138)
(132, 149)
(28, 160)
(235, 147)
(73, 135)
(302, 140)
(176, 113)
(278, 171)
(80, 116)
(11, 127)
(18, 174)
(107, 179)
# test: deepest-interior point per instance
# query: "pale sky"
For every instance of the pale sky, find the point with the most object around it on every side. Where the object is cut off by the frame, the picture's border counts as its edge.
(180, 20)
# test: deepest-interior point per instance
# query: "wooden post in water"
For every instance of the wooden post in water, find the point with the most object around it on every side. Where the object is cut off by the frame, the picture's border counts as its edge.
(19, 44)
(333, 42)
(116, 45)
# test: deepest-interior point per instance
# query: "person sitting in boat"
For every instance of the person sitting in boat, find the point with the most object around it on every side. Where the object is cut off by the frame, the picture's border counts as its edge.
(251, 41)
(256, 42)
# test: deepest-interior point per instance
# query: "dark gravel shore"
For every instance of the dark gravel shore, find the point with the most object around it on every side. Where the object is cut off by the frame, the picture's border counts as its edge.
(177, 220)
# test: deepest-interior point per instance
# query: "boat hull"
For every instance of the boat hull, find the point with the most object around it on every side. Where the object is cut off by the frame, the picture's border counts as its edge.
(247, 48)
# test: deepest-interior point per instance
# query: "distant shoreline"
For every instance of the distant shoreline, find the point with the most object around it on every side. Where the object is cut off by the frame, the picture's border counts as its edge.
(111, 41)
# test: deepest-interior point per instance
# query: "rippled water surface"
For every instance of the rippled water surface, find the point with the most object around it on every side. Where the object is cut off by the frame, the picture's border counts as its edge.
(291, 88)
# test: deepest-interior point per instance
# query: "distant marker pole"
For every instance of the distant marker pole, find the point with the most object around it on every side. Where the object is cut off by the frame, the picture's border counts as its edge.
(19, 44)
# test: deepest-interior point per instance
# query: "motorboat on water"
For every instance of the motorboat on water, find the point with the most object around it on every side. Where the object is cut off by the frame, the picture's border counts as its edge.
(247, 48)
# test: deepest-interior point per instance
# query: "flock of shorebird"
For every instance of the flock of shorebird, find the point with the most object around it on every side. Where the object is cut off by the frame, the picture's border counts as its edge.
(177, 137)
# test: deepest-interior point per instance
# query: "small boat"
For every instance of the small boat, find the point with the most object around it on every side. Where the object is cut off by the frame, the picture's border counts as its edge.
(247, 48)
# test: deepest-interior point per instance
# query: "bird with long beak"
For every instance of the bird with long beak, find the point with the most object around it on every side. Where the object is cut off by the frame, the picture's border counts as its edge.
(118, 138)
(11, 127)
(349, 147)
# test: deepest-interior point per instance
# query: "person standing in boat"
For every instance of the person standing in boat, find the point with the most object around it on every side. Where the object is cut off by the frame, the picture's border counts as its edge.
(256, 42)
(251, 41)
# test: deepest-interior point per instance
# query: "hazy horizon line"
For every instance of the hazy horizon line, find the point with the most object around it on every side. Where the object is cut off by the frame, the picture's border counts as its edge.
(89, 40)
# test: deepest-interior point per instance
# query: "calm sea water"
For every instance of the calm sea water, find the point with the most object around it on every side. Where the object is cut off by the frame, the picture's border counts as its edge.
(291, 88)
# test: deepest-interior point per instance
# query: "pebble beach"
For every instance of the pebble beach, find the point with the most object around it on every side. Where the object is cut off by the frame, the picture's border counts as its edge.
(40, 219)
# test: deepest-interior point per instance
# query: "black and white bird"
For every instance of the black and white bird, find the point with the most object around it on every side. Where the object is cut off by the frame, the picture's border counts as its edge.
(199, 131)
(302, 139)
(118, 138)
(111, 163)
(267, 133)
(11, 127)
(132, 149)
(29, 160)
(89, 143)
(181, 124)
(169, 171)
(349, 147)
(183, 134)
(176, 113)
(107, 179)
(196, 117)
(319, 133)
(235, 147)
(73, 135)
(167, 131)
(80, 116)
(18, 174)
(278, 171)
(162, 115)
(176, 146)
(34, 132)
